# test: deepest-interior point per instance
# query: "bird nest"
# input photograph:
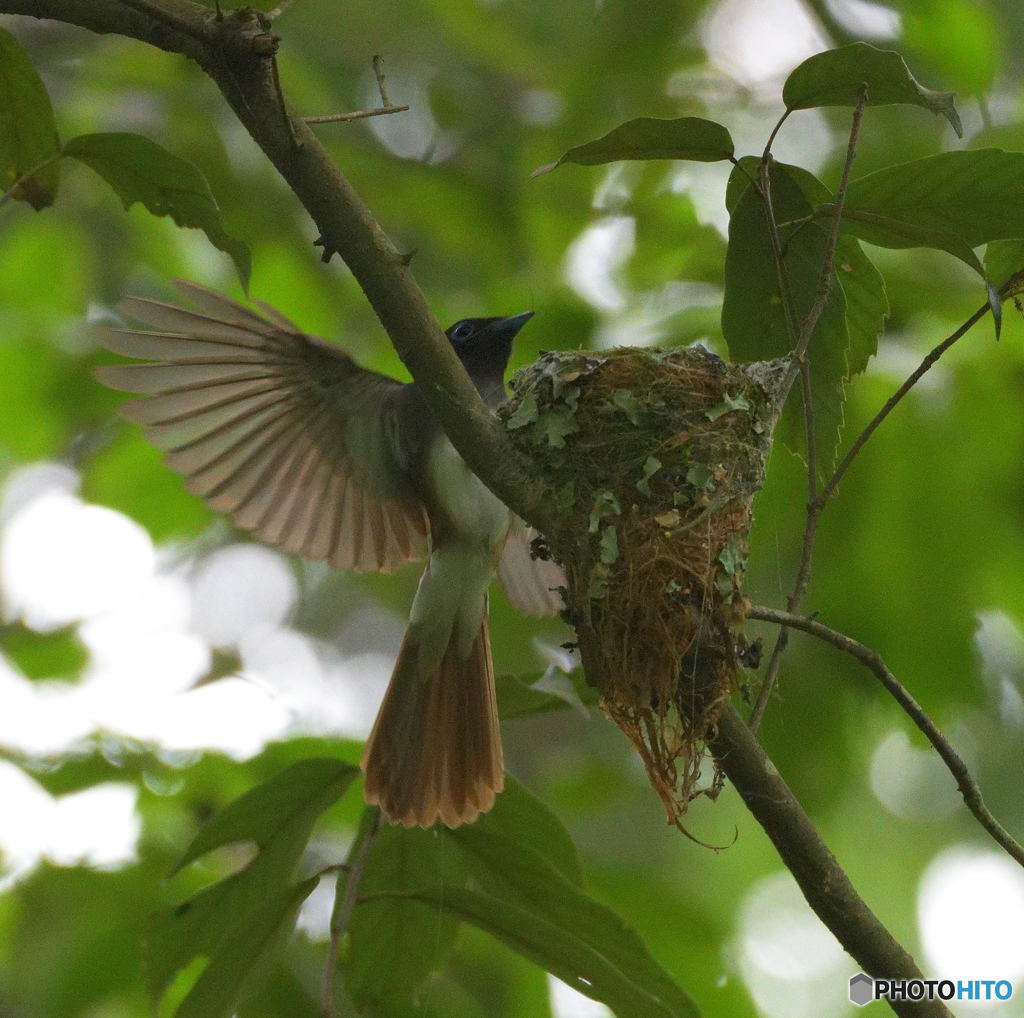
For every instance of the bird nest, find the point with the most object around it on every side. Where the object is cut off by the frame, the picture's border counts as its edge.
(652, 459)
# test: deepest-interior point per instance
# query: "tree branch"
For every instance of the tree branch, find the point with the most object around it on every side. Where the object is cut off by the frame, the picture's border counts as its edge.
(872, 660)
(237, 53)
(823, 882)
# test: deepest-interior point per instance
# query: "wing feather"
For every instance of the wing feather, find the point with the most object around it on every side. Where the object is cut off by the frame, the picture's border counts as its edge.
(280, 430)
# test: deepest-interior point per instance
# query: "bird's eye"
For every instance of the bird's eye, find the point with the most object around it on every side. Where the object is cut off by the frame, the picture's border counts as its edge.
(462, 330)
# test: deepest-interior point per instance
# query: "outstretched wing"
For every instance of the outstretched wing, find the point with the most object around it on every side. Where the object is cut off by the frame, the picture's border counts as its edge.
(281, 431)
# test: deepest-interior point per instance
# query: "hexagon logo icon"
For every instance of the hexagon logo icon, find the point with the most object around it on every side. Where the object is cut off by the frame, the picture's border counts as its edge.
(862, 989)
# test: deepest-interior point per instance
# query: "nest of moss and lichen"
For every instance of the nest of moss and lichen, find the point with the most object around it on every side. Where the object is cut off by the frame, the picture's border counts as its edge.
(652, 459)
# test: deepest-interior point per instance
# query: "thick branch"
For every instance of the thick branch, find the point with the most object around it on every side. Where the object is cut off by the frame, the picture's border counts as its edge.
(821, 879)
(237, 53)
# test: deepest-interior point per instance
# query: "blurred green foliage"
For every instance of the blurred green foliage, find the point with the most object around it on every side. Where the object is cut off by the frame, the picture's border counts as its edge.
(925, 534)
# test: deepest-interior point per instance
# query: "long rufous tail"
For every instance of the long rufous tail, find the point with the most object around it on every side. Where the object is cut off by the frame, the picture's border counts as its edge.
(435, 749)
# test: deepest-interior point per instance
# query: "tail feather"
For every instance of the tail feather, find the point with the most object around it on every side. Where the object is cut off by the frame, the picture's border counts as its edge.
(435, 749)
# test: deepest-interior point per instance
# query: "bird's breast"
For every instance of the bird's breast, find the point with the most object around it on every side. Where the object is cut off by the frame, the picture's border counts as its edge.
(462, 507)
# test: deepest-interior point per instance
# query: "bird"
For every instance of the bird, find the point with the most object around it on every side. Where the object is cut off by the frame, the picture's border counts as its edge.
(290, 438)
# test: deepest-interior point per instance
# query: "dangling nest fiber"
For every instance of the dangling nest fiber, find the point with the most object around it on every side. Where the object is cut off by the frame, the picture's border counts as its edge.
(652, 459)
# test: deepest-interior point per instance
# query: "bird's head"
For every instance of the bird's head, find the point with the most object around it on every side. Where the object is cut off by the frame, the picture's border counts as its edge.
(484, 346)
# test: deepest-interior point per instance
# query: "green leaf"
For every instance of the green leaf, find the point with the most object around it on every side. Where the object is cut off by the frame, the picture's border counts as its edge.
(525, 413)
(728, 404)
(28, 132)
(732, 556)
(867, 305)
(605, 505)
(518, 821)
(243, 959)
(140, 170)
(1003, 259)
(629, 403)
(651, 466)
(518, 699)
(609, 545)
(691, 138)
(753, 319)
(395, 941)
(892, 232)
(56, 655)
(834, 78)
(279, 812)
(591, 950)
(556, 424)
(278, 816)
(954, 201)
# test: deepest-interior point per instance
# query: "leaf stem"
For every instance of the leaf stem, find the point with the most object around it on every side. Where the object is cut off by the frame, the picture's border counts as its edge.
(346, 891)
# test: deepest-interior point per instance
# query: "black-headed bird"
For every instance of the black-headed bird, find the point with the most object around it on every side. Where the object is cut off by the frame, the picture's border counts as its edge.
(290, 438)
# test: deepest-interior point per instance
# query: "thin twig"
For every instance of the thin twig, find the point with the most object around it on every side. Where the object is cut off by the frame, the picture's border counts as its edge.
(334, 118)
(275, 12)
(765, 179)
(872, 660)
(826, 277)
(890, 404)
(378, 73)
(799, 367)
(771, 137)
(349, 878)
(386, 105)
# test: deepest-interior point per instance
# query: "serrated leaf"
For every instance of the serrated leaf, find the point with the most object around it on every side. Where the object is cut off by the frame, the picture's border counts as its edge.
(243, 959)
(691, 138)
(954, 201)
(576, 939)
(139, 170)
(28, 131)
(753, 318)
(867, 305)
(1003, 259)
(893, 232)
(395, 942)
(834, 78)
(279, 809)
